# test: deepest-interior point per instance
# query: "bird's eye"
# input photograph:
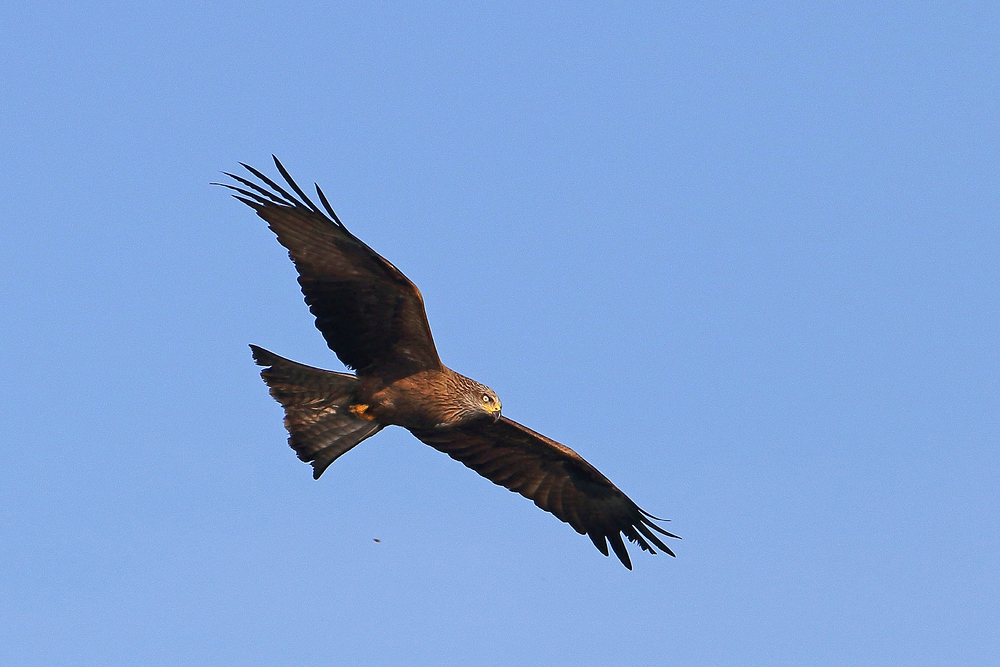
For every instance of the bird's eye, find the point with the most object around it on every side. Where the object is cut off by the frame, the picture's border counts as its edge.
(486, 398)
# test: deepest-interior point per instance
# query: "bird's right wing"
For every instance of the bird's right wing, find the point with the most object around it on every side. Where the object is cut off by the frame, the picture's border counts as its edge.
(555, 477)
(370, 314)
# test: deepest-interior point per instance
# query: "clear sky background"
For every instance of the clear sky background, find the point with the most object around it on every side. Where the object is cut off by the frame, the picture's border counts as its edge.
(742, 256)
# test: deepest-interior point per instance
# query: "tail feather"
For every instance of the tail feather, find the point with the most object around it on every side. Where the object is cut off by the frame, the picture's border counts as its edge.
(320, 426)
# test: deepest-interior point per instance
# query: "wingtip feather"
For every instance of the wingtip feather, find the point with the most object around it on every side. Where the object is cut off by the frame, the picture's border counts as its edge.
(295, 186)
(329, 209)
(599, 541)
(620, 550)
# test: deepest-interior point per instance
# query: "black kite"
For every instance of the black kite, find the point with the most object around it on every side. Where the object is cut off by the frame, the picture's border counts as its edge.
(373, 317)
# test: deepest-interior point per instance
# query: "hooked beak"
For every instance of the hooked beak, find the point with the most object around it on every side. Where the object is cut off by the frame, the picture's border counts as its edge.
(496, 415)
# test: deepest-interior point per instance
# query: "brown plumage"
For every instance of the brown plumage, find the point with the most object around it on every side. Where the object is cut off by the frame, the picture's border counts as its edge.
(373, 317)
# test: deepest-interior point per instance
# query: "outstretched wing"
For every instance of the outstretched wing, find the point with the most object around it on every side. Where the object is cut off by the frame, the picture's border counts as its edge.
(555, 477)
(370, 314)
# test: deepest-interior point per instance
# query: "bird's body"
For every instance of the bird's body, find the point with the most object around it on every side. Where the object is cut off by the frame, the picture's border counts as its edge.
(405, 403)
(373, 317)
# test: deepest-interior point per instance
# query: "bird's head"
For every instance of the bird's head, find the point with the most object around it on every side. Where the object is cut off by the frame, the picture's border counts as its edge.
(480, 401)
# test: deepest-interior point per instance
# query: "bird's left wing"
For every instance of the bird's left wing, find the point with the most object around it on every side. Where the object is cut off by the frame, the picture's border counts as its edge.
(370, 314)
(555, 477)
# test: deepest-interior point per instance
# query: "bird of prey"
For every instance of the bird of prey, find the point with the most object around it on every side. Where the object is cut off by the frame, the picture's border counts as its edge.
(373, 318)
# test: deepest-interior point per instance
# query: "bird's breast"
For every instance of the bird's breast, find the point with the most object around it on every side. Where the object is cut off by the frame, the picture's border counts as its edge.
(423, 400)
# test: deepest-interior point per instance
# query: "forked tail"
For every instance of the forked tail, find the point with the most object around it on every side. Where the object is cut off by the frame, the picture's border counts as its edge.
(320, 425)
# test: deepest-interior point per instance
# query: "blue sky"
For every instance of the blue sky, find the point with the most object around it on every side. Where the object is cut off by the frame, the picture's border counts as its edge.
(741, 256)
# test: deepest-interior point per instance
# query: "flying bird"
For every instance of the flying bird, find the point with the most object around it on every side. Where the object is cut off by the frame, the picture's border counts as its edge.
(373, 318)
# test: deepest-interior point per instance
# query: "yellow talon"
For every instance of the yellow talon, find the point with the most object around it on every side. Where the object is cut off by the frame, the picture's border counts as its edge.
(361, 410)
